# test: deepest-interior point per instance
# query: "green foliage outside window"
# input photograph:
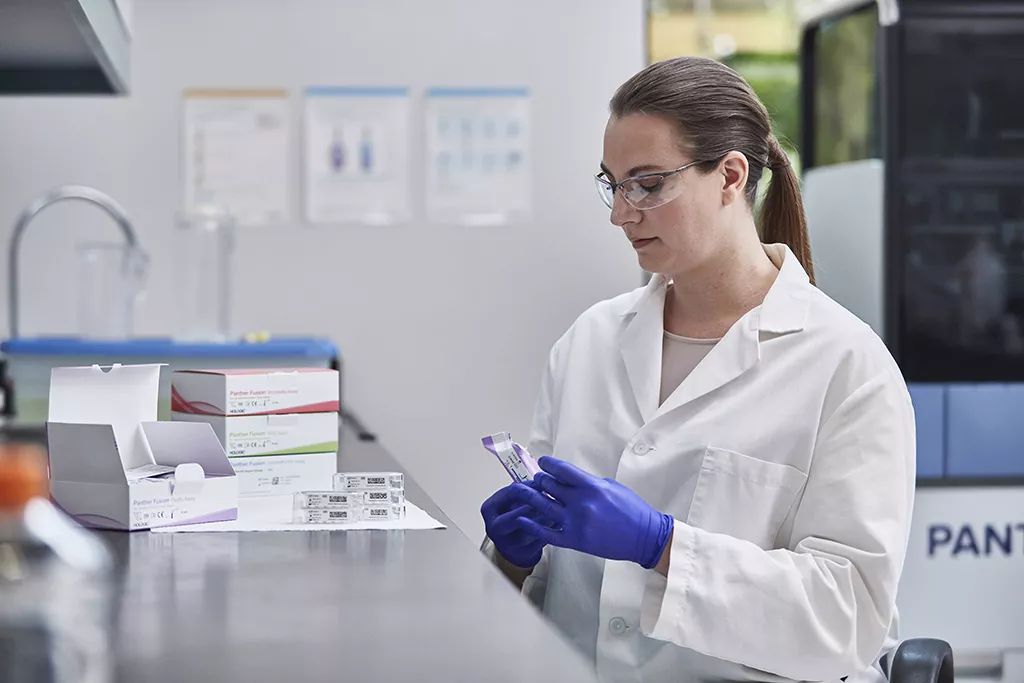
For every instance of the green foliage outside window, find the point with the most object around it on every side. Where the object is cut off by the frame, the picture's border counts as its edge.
(776, 80)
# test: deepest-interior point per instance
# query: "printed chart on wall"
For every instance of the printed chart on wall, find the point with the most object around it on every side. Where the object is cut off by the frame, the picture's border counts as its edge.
(478, 160)
(236, 154)
(356, 155)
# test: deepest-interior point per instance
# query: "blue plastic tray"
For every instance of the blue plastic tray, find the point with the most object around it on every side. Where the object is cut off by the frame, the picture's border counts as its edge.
(168, 348)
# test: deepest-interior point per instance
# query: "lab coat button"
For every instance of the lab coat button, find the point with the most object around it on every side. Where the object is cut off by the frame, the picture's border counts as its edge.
(618, 626)
(641, 447)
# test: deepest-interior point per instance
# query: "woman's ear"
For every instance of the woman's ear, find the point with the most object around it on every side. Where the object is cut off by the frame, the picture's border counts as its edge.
(735, 170)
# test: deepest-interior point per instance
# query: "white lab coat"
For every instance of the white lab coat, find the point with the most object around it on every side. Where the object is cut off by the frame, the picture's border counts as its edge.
(787, 458)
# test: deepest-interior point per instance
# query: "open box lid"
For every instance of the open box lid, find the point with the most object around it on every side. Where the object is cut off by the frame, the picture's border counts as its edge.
(122, 396)
(180, 443)
(96, 411)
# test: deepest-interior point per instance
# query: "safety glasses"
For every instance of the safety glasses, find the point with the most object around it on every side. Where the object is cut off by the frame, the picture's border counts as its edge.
(644, 192)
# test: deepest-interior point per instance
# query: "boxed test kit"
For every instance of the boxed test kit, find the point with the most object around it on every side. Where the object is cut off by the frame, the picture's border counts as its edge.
(279, 427)
(114, 466)
(267, 435)
(255, 392)
(279, 474)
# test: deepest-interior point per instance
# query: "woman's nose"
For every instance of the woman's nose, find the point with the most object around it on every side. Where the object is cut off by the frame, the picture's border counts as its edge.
(622, 212)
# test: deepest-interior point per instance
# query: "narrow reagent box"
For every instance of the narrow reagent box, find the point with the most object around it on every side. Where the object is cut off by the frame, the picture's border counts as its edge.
(392, 497)
(369, 481)
(364, 513)
(335, 516)
(255, 392)
(268, 475)
(323, 500)
(265, 435)
(383, 513)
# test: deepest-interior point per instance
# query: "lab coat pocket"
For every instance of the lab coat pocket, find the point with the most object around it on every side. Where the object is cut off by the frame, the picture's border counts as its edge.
(743, 497)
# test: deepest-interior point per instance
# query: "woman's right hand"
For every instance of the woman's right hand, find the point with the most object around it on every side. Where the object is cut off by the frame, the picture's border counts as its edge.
(500, 512)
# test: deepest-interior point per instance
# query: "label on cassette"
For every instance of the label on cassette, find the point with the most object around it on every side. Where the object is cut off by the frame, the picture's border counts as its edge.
(369, 481)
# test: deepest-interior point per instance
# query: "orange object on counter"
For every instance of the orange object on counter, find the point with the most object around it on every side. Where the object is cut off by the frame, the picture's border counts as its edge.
(23, 476)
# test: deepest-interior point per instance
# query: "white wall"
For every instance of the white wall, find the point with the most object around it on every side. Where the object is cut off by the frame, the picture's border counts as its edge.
(444, 330)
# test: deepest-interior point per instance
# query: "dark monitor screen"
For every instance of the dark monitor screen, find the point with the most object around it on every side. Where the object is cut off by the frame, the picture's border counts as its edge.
(963, 89)
(960, 208)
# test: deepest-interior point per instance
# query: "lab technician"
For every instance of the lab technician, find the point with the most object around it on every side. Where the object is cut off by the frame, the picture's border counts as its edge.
(729, 454)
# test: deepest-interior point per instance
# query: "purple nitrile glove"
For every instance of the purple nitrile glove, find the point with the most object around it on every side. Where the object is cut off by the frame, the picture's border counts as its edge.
(599, 517)
(500, 512)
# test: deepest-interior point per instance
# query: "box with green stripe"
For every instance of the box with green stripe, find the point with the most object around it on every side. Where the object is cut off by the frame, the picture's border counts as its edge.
(247, 436)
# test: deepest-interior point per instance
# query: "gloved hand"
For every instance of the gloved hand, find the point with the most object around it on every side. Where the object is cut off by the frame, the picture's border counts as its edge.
(597, 516)
(500, 512)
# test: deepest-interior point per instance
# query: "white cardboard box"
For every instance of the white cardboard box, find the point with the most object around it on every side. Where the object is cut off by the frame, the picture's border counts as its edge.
(267, 435)
(113, 466)
(281, 474)
(255, 392)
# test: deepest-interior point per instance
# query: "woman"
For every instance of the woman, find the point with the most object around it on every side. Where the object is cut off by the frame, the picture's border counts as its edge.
(730, 455)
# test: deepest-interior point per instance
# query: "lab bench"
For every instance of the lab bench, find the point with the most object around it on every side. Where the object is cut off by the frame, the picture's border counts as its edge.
(328, 606)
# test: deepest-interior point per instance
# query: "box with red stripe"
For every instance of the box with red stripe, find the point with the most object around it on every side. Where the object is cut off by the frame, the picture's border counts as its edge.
(255, 392)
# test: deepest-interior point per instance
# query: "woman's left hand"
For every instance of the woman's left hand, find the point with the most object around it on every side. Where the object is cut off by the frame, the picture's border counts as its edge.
(598, 516)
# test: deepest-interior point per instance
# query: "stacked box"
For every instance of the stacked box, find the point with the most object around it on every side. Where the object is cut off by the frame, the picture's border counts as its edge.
(356, 497)
(279, 427)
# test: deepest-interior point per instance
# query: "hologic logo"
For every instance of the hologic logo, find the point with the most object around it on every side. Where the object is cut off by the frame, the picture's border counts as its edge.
(989, 540)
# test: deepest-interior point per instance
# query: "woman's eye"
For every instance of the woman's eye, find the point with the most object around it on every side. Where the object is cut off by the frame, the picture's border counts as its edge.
(650, 185)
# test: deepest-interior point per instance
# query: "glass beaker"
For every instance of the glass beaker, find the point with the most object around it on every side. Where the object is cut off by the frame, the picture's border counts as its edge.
(111, 277)
(205, 242)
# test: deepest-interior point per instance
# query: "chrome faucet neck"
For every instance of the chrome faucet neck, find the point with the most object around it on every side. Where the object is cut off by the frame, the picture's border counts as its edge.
(55, 196)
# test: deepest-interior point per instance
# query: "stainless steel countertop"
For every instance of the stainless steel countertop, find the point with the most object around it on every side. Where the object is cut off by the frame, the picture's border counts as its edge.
(329, 606)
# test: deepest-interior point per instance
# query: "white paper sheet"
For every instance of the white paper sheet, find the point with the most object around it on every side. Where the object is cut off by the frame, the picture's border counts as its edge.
(235, 154)
(478, 155)
(356, 155)
(274, 513)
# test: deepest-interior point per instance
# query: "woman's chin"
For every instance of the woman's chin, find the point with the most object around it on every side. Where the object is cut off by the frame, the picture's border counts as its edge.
(650, 262)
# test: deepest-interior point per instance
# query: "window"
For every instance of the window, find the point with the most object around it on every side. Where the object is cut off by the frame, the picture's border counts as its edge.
(757, 38)
(845, 88)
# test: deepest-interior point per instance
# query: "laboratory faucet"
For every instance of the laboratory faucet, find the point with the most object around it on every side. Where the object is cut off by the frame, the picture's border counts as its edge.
(59, 194)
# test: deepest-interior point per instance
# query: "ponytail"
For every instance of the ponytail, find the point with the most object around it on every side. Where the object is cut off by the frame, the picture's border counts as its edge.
(782, 215)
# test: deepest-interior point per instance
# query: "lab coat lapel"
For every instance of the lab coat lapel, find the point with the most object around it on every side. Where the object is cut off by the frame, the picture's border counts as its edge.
(641, 346)
(783, 311)
(737, 352)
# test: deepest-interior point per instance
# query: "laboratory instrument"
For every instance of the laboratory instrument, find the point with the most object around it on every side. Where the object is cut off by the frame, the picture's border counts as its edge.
(913, 156)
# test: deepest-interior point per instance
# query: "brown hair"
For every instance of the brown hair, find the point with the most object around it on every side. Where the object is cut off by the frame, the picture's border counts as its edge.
(718, 112)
